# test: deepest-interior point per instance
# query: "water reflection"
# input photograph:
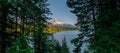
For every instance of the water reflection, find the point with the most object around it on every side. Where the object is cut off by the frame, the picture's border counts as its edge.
(69, 35)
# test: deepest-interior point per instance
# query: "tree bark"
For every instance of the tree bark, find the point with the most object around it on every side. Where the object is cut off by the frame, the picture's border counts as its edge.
(3, 34)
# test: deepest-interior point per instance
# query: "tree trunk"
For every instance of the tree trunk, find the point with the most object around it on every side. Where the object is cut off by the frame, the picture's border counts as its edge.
(3, 34)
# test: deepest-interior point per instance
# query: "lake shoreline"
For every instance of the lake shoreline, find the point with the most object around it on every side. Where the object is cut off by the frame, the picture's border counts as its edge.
(69, 35)
(60, 31)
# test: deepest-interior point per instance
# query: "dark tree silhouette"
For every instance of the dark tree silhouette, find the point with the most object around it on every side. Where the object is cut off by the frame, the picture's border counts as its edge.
(85, 10)
(104, 16)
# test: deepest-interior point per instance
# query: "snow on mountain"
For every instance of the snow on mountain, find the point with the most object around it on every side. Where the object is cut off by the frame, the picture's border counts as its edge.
(56, 21)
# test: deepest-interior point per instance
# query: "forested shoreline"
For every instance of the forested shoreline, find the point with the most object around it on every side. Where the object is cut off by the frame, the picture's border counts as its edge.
(23, 25)
(23, 22)
(52, 28)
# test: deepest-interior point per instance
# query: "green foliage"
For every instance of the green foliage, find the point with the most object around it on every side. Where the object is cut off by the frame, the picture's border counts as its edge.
(16, 46)
(22, 17)
(57, 47)
(106, 37)
(104, 21)
(85, 12)
(65, 48)
(107, 33)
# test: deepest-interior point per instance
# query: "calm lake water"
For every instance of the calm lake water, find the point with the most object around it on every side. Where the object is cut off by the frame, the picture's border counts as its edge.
(69, 35)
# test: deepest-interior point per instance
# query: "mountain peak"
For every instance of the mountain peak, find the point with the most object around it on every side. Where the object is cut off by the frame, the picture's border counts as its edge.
(56, 21)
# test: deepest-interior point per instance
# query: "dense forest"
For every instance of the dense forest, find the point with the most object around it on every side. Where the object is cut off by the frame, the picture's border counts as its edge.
(23, 25)
(99, 20)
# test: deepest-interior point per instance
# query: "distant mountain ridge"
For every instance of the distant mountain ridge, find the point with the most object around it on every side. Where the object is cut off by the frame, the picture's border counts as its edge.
(57, 25)
(57, 22)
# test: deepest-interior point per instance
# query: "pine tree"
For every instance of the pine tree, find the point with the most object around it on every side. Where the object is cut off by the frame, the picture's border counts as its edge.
(106, 36)
(65, 48)
(21, 18)
(106, 28)
(4, 5)
(85, 12)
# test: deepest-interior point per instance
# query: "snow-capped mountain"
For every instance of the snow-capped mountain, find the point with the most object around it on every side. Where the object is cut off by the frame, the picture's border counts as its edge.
(56, 21)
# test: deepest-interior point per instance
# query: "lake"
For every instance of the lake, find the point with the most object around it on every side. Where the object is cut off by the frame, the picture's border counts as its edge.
(69, 35)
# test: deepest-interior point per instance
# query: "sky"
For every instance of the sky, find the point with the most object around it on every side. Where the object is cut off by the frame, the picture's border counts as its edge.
(61, 11)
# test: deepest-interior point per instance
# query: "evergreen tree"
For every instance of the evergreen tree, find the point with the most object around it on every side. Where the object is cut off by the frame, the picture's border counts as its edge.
(65, 48)
(105, 27)
(85, 12)
(4, 5)
(106, 38)
(21, 18)
(58, 48)
(17, 46)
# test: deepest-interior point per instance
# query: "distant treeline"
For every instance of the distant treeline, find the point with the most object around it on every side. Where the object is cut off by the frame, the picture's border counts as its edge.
(54, 28)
